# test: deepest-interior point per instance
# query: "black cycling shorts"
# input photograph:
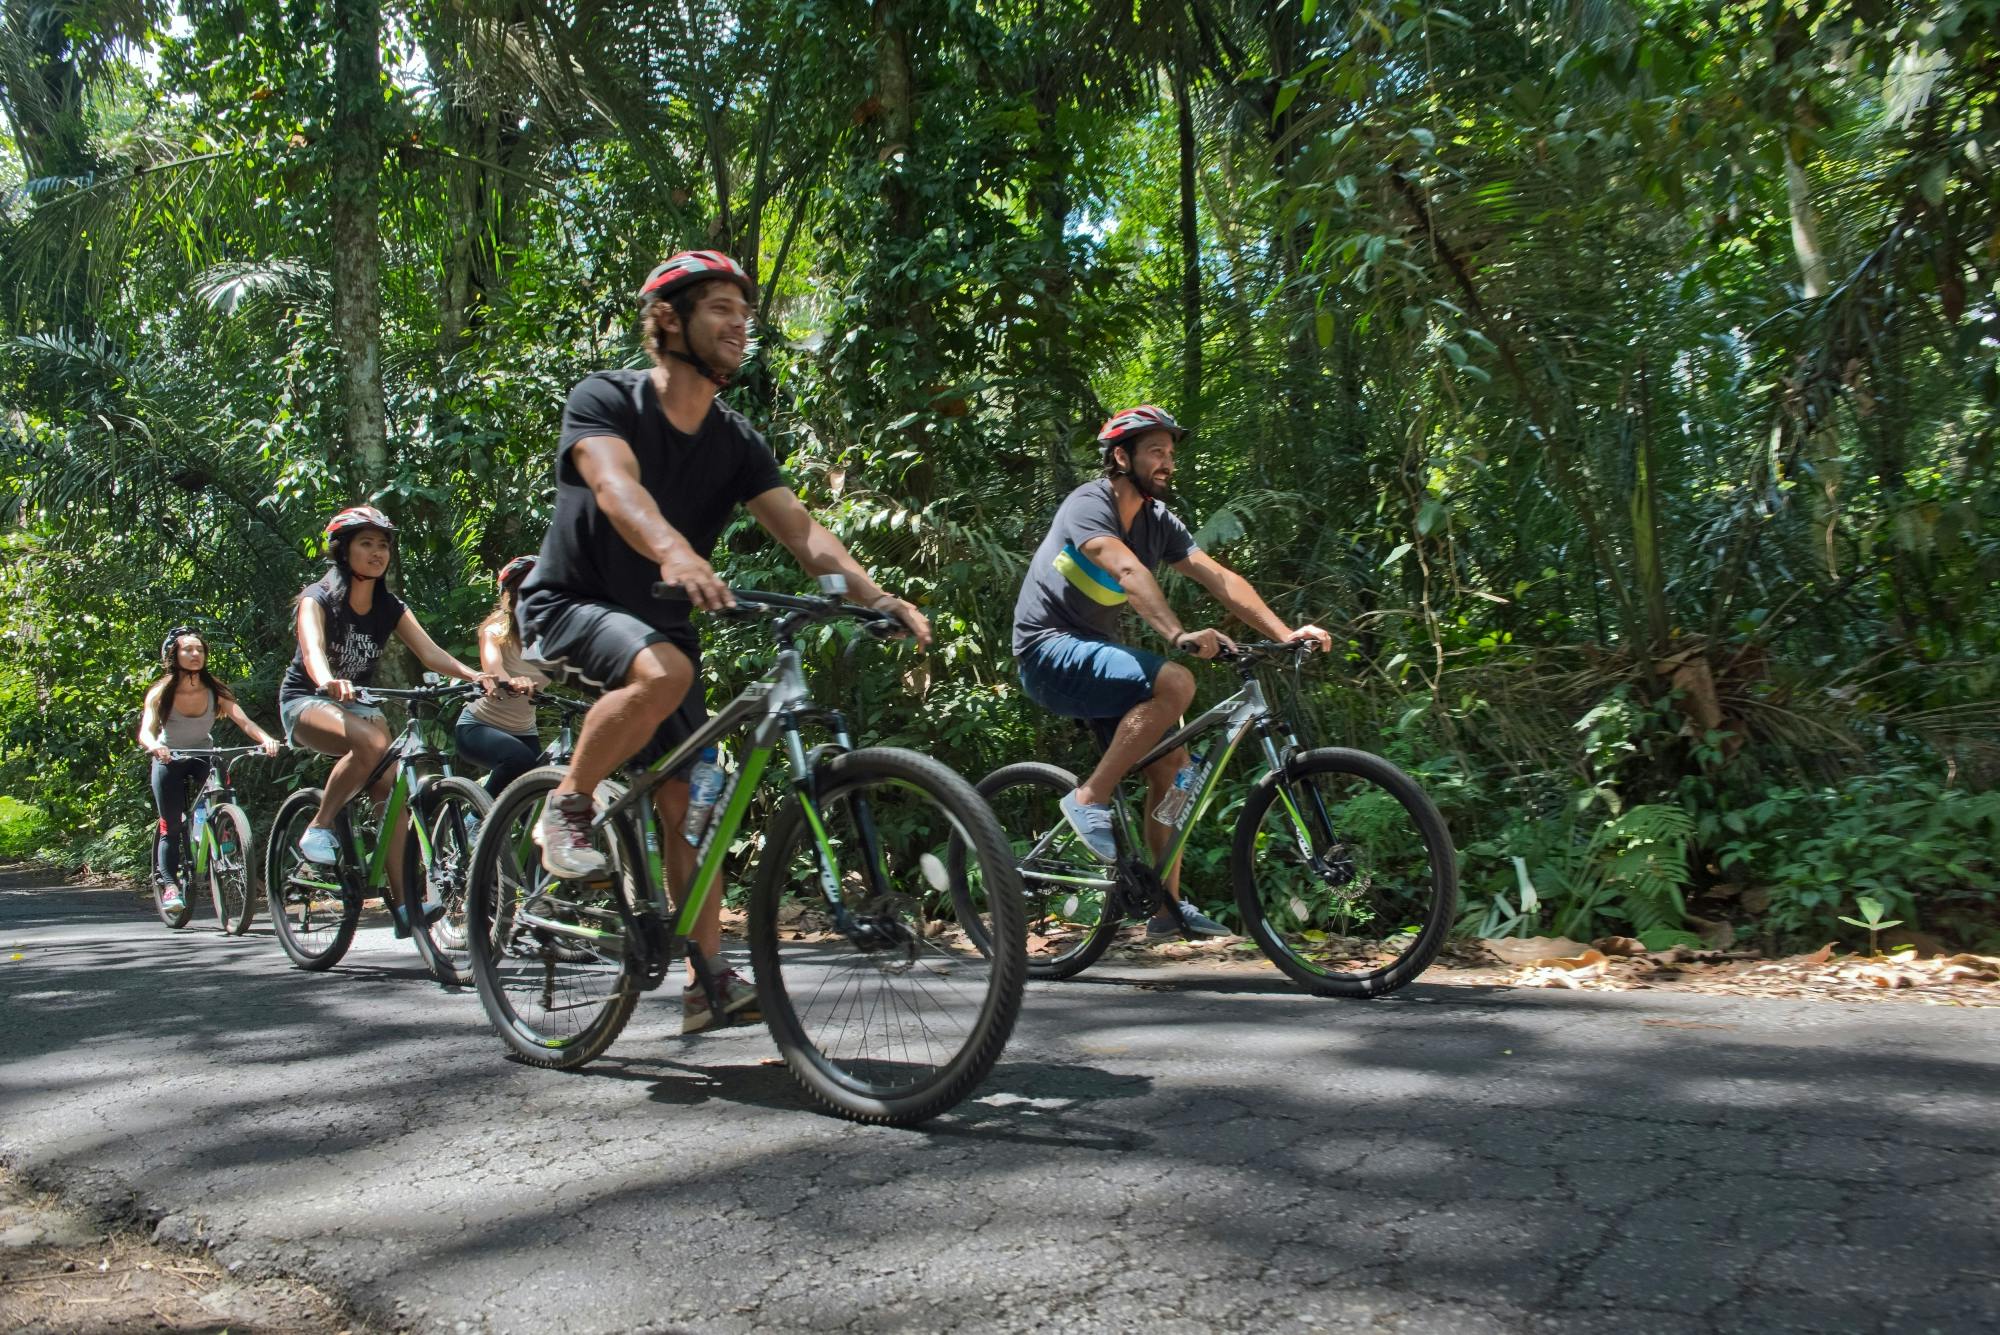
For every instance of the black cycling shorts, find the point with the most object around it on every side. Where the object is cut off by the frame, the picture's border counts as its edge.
(594, 643)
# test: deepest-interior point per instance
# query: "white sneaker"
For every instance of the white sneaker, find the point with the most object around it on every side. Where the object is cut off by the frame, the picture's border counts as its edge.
(563, 834)
(319, 846)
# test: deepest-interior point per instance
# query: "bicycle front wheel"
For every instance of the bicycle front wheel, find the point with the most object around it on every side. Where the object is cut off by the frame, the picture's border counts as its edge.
(231, 883)
(1071, 911)
(313, 913)
(451, 810)
(1345, 873)
(550, 957)
(884, 1007)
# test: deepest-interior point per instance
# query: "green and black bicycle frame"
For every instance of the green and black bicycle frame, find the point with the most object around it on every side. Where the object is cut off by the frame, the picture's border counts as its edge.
(1134, 892)
(773, 713)
(421, 757)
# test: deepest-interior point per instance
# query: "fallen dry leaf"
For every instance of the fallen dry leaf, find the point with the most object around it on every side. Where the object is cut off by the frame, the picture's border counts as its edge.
(1527, 949)
(1623, 946)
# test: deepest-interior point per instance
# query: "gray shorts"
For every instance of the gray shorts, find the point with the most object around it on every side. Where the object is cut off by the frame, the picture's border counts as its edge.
(289, 711)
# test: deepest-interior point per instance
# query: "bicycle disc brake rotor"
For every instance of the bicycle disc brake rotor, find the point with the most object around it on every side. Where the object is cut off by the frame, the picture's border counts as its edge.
(882, 926)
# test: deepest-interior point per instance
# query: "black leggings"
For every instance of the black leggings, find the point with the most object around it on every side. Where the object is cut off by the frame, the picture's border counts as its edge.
(175, 782)
(508, 754)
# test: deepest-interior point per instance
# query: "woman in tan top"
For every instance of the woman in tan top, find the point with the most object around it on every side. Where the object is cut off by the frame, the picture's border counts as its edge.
(498, 729)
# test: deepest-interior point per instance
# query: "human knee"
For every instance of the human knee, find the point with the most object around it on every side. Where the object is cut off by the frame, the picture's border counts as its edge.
(659, 680)
(1174, 685)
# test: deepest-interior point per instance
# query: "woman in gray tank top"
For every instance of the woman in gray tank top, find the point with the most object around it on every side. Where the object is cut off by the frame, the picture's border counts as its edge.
(181, 707)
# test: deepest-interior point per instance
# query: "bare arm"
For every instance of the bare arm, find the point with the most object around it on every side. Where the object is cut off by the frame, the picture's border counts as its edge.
(150, 721)
(312, 645)
(233, 711)
(611, 471)
(429, 654)
(1235, 593)
(786, 518)
(494, 664)
(1140, 586)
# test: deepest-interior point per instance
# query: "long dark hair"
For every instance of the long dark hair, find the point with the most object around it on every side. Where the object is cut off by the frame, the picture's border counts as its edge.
(502, 615)
(171, 670)
(338, 570)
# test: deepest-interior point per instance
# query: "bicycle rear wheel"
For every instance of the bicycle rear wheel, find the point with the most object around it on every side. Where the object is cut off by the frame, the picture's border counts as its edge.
(895, 1014)
(312, 910)
(1345, 873)
(1070, 923)
(549, 957)
(451, 810)
(231, 879)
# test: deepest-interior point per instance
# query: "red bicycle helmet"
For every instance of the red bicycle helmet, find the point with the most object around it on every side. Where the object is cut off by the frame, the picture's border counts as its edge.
(515, 571)
(1137, 422)
(690, 267)
(358, 517)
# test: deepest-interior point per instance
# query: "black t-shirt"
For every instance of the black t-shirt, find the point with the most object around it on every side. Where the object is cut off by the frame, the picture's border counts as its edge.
(354, 643)
(696, 481)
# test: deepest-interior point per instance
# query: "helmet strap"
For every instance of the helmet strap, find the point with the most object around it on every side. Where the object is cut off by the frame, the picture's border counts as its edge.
(702, 368)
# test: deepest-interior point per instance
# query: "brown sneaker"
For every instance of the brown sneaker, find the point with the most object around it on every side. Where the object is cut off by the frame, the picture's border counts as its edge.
(739, 1005)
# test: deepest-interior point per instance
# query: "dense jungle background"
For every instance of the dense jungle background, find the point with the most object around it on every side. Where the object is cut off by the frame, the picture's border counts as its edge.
(1616, 378)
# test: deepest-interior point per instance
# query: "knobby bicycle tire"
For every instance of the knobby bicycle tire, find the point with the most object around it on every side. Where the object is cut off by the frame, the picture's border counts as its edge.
(495, 945)
(838, 1087)
(1438, 893)
(232, 871)
(440, 804)
(283, 862)
(1069, 947)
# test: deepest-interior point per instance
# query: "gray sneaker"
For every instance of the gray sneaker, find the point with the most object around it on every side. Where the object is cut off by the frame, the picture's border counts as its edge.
(1186, 919)
(1092, 825)
(563, 833)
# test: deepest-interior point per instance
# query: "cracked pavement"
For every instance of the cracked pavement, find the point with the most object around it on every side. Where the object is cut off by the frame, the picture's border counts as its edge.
(1156, 1151)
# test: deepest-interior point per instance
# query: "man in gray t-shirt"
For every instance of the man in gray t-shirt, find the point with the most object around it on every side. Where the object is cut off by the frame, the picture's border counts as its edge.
(1107, 539)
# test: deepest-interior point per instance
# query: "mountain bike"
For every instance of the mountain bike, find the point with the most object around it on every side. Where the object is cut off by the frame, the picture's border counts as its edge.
(215, 845)
(882, 1007)
(317, 909)
(1343, 869)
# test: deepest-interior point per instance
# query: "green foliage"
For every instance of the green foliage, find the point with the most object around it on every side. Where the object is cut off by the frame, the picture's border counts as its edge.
(1924, 851)
(1619, 387)
(22, 828)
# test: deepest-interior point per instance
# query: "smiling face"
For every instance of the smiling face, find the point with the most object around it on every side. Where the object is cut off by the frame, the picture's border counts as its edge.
(1151, 460)
(717, 328)
(368, 554)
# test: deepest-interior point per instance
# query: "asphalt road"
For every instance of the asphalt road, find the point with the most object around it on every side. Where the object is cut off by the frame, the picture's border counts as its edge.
(1169, 1154)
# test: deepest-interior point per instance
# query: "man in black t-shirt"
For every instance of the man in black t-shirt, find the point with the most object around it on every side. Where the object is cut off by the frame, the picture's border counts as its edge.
(648, 471)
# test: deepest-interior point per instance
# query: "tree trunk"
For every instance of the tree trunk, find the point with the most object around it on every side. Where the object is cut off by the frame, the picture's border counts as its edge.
(1190, 260)
(1813, 269)
(357, 234)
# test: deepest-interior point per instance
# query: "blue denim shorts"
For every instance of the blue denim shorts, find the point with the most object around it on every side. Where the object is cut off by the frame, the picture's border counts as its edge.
(1094, 680)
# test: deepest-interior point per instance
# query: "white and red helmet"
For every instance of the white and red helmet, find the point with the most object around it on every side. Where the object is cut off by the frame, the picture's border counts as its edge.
(1123, 427)
(689, 268)
(357, 517)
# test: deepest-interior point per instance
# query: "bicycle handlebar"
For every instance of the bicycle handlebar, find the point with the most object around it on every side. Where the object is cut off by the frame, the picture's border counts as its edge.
(1256, 651)
(368, 695)
(219, 752)
(754, 603)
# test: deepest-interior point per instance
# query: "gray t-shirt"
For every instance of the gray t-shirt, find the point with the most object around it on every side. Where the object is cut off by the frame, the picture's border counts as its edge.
(1067, 593)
